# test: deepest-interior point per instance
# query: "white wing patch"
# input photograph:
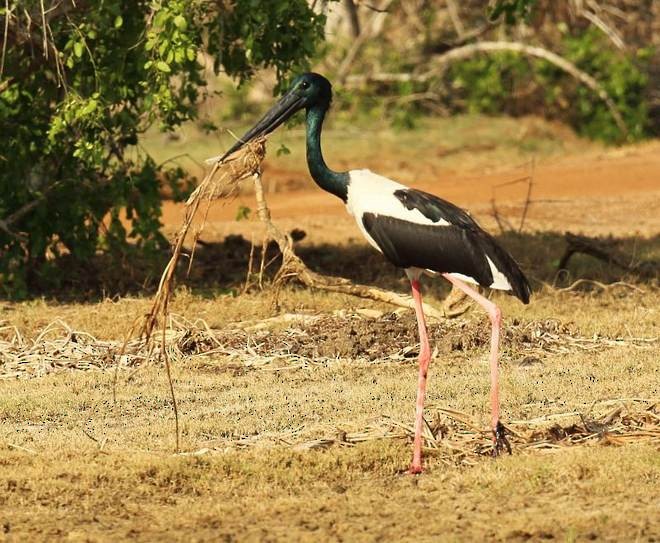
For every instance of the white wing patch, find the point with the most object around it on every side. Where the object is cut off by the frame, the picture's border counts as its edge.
(372, 193)
(500, 282)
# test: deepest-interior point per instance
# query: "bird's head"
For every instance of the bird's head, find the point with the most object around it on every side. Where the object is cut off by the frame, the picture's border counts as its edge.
(313, 88)
(307, 90)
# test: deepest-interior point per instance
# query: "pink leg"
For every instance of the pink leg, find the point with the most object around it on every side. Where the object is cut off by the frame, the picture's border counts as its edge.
(424, 359)
(495, 314)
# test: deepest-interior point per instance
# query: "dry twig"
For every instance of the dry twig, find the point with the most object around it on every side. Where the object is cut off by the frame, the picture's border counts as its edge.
(263, 345)
(244, 163)
(293, 266)
(454, 437)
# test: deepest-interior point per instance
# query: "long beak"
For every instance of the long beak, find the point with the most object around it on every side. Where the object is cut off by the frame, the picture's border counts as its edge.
(286, 107)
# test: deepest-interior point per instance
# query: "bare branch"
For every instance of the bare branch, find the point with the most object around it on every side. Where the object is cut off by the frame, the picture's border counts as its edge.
(466, 51)
(353, 19)
(16, 235)
(528, 197)
(4, 38)
(373, 28)
(43, 29)
(598, 22)
(452, 8)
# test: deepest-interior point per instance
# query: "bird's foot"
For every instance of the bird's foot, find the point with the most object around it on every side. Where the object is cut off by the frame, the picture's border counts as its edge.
(415, 469)
(500, 442)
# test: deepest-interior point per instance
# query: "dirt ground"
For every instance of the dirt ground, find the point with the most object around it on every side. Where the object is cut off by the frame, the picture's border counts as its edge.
(295, 416)
(597, 192)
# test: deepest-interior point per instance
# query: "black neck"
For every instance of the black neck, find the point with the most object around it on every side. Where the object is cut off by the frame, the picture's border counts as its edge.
(334, 182)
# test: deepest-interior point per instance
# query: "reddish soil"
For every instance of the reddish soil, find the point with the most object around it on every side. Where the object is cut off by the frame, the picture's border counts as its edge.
(612, 192)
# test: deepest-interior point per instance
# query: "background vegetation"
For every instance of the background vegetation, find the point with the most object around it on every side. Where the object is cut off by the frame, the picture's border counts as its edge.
(613, 42)
(81, 84)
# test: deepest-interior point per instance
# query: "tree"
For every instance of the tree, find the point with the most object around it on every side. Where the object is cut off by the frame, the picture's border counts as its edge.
(575, 61)
(80, 83)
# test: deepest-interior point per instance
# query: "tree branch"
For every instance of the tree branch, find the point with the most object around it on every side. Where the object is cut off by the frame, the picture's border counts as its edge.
(353, 19)
(293, 266)
(452, 8)
(373, 28)
(466, 51)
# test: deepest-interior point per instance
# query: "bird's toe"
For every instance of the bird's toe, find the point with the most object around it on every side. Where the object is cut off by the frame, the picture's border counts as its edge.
(500, 441)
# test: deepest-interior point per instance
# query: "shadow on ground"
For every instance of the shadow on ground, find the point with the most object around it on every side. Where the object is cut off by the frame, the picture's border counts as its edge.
(222, 267)
(633, 260)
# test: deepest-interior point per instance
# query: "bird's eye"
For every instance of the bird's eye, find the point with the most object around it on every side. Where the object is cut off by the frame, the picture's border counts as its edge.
(304, 85)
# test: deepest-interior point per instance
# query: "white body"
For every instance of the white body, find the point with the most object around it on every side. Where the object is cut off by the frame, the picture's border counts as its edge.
(369, 192)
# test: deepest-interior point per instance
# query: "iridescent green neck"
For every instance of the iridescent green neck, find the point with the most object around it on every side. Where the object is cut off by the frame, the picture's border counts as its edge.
(334, 182)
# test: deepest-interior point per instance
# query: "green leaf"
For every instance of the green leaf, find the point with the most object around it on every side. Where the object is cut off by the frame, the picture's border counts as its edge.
(89, 107)
(283, 150)
(163, 66)
(137, 88)
(243, 213)
(180, 22)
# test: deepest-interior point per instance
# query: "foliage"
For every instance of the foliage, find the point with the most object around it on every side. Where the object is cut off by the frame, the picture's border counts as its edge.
(624, 78)
(512, 10)
(506, 82)
(486, 84)
(80, 84)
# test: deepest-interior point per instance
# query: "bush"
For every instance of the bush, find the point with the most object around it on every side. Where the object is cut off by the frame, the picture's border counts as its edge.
(509, 83)
(81, 84)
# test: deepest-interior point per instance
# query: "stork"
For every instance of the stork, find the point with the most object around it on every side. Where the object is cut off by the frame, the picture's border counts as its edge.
(414, 230)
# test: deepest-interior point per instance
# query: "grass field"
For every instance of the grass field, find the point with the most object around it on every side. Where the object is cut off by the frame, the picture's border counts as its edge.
(295, 417)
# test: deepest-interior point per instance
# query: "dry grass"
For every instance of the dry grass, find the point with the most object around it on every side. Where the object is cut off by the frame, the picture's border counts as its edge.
(314, 449)
(297, 428)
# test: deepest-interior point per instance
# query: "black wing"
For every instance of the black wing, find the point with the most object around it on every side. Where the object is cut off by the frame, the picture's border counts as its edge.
(434, 208)
(460, 247)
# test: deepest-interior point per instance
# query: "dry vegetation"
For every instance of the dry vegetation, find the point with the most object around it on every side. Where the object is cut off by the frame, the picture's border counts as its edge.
(285, 443)
(295, 419)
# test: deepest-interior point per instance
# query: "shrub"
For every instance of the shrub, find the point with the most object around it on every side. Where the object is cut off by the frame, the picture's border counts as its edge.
(79, 86)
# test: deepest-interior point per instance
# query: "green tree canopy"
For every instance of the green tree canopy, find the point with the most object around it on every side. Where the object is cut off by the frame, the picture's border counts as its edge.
(81, 81)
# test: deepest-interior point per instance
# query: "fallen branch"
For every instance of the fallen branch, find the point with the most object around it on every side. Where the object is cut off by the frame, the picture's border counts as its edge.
(600, 285)
(601, 251)
(293, 266)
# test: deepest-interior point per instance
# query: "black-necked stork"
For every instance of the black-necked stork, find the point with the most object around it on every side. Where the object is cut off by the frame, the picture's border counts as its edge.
(414, 230)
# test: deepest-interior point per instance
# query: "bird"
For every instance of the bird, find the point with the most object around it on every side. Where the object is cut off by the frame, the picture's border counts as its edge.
(415, 230)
